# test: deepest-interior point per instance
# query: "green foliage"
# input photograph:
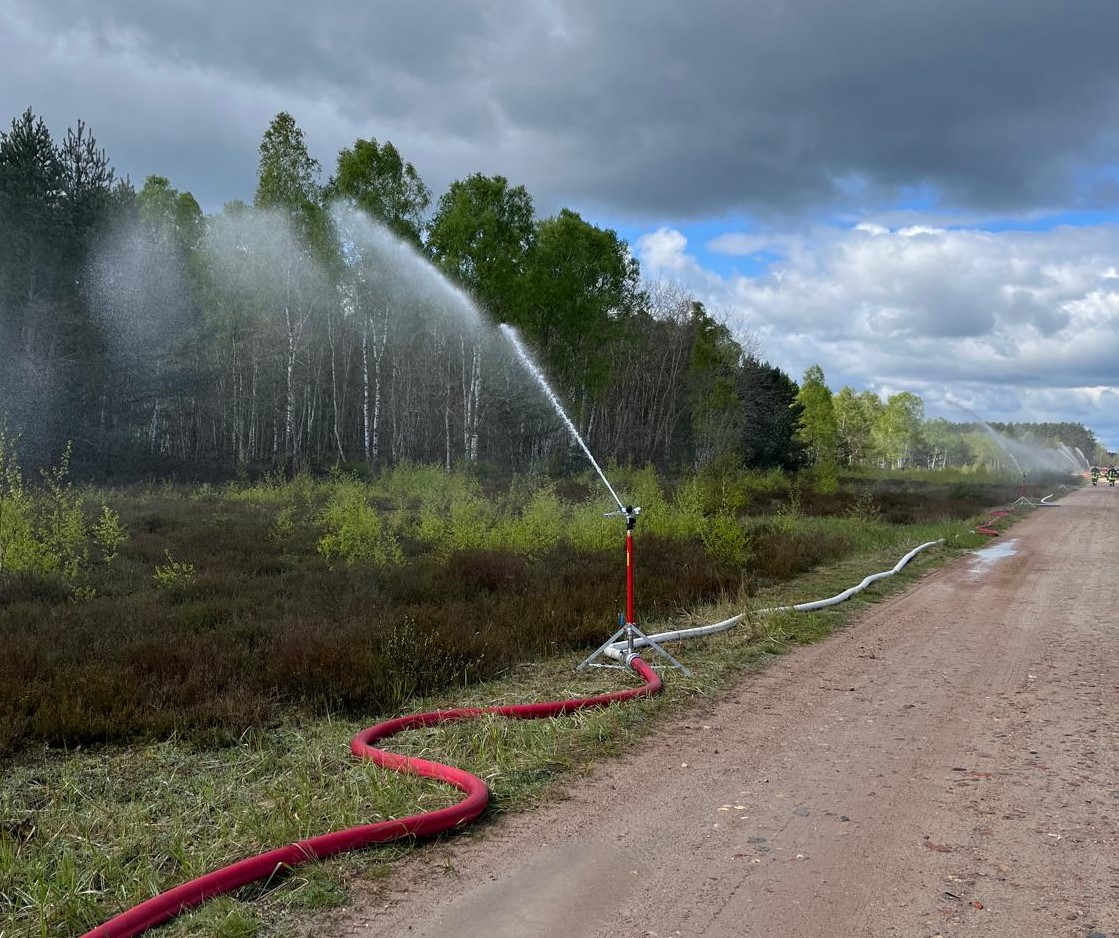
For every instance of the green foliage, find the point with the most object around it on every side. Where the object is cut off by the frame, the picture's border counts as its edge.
(274, 488)
(18, 545)
(469, 520)
(109, 534)
(63, 530)
(287, 174)
(825, 477)
(730, 489)
(856, 414)
(647, 493)
(818, 427)
(45, 532)
(409, 483)
(452, 513)
(284, 525)
(725, 540)
(538, 527)
(381, 183)
(481, 234)
(356, 533)
(587, 529)
(579, 280)
(174, 573)
(770, 418)
(897, 431)
(174, 216)
(717, 410)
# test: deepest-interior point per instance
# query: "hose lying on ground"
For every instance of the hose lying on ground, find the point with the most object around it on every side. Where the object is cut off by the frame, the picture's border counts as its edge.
(987, 526)
(618, 649)
(174, 901)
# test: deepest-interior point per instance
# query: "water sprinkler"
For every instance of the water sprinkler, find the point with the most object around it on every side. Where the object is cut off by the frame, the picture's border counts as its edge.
(629, 627)
(628, 631)
(630, 513)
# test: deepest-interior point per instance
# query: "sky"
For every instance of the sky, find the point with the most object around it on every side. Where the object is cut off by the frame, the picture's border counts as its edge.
(918, 195)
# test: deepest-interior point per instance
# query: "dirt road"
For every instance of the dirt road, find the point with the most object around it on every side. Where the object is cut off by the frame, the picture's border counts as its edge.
(948, 765)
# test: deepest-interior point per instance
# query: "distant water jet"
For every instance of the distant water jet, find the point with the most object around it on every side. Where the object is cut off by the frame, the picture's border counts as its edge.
(1029, 454)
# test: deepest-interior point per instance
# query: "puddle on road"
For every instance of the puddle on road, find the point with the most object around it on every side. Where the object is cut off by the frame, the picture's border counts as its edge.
(983, 560)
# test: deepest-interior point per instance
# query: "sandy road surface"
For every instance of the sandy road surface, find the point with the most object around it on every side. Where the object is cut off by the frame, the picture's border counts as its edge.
(948, 765)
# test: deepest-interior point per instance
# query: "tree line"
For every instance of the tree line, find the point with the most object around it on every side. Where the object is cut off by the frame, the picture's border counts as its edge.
(282, 333)
(850, 429)
(309, 328)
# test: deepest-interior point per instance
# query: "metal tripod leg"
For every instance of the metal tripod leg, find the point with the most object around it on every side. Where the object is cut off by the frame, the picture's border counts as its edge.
(628, 633)
(586, 662)
(634, 630)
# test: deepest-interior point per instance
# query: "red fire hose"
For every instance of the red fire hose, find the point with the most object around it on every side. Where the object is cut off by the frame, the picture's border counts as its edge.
(169, 904)
(986, 526)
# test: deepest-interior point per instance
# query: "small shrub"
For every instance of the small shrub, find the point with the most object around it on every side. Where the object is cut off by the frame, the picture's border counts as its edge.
(539, 526)
(18, 547)
(588, 529)
(825, 477)
(355, 531)
(864, 509)
(469, 523)
(283, 526)
(724, 486)
(46, 531)
(109, 534)
(174, 573)
(725, 540)
(963, 489)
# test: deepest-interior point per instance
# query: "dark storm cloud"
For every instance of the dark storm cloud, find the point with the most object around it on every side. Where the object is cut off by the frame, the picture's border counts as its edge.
(650, 108)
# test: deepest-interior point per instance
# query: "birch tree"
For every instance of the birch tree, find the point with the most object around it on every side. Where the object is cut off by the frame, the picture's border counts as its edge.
(481, 235)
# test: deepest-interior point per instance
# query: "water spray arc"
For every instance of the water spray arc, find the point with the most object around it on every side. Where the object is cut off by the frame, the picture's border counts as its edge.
(522, 353)
(628, 627)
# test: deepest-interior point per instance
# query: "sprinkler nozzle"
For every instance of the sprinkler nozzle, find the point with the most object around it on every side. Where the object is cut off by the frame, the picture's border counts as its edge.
(629, 511)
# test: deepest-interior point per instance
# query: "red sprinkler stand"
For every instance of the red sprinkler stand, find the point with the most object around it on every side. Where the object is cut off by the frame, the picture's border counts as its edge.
(631, 520)
(628, 632)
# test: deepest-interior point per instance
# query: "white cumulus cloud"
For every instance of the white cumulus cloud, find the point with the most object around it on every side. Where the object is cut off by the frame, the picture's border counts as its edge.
(1024, 324)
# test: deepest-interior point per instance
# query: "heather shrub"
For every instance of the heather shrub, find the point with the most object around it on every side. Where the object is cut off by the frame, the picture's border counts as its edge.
(174, 573)
(349, 596)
